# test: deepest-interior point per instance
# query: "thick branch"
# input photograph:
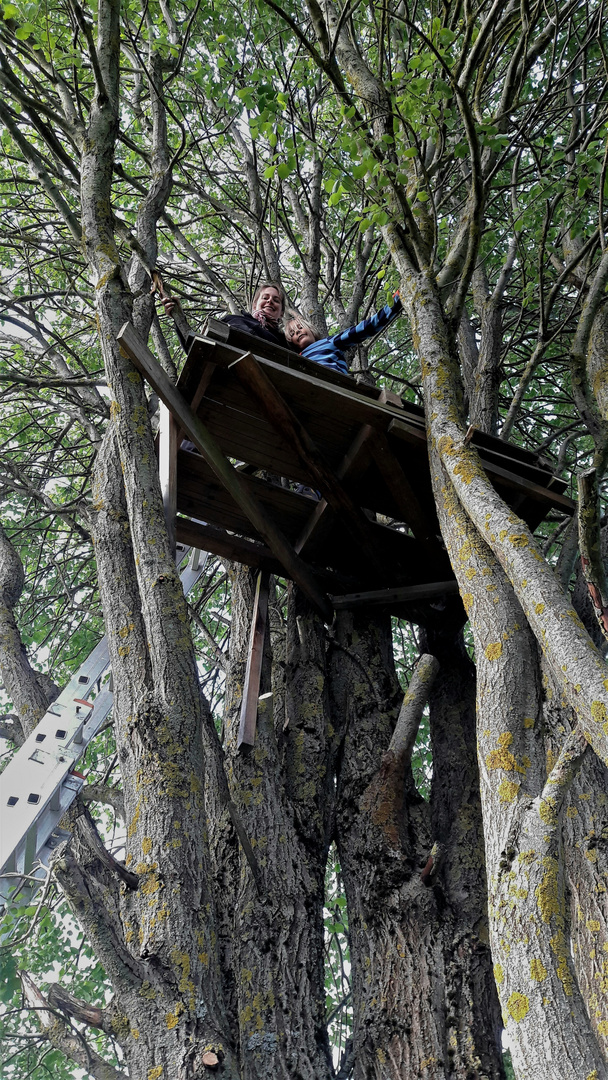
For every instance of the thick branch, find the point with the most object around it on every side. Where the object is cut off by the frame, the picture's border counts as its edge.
(590, 546)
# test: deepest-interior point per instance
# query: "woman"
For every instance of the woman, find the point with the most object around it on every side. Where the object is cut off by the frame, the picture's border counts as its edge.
(267, 309)
(328, 350)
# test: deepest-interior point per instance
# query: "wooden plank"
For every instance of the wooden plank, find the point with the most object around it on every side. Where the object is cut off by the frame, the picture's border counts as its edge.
(230, 478)
(200, 495)
(167, 468)
(321, 476)
(401, 489)
(252, 439)
(253, 672)
(383, 597)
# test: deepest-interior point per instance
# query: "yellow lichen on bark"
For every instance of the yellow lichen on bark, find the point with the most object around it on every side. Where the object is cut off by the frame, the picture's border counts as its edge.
(546, 892)
(538, 971)
(598, 712)
(507, 791)
(518, 1006)
(502, 758)
(493, 651)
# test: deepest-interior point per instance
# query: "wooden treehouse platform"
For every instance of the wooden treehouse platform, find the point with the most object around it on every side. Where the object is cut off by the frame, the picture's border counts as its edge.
(267, 422)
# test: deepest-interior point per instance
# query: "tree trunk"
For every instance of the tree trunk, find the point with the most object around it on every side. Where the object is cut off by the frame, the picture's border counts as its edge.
(422, 984)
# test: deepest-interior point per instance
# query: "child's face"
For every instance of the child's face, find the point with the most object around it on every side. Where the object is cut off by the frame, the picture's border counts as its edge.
(299, 334)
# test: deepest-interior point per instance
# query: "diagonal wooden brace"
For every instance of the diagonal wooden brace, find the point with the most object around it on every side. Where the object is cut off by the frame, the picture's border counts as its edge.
(204, 441)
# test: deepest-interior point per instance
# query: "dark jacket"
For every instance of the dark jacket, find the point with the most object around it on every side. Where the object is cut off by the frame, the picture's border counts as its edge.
(245, 321)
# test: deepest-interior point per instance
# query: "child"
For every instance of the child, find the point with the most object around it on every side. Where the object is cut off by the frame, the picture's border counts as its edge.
(328, 350)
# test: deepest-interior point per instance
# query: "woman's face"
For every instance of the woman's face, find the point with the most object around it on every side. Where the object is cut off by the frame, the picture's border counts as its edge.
(269, 301)
(299, 334)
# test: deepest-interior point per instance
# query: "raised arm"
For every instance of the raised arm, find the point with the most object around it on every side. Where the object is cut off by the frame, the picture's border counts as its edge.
(369, 327)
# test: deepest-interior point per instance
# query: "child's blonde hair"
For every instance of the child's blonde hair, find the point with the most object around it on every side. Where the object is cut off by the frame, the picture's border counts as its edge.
(292, 315)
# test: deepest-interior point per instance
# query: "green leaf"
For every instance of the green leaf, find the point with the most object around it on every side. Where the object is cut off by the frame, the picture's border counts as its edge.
(10, 11)
(422, 196)
(23, 33)
(269, 172)
(286, 168)
(446, 36)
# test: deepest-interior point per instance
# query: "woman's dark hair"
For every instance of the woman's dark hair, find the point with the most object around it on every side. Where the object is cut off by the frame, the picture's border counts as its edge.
(270, 285)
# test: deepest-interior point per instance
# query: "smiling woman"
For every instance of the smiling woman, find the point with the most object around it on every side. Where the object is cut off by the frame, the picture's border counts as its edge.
(267, 307)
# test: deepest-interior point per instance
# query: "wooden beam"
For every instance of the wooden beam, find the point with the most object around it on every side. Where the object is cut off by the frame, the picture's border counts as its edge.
(253, 671)
(401, 489)
(219, 542)
(226, 473)
(293, 431)
(529, 487)
(409, 433)
(388, 397)
(167, 468)
(382, 597)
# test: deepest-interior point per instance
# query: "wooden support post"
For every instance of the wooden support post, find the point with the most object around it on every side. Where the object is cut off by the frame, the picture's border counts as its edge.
(167, 468)
(283, 420)
(226, 473)
(253, 672)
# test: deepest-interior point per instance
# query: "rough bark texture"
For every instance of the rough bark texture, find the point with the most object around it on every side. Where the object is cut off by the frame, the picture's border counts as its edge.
(30, 692)
(521, 813)
(422, 983)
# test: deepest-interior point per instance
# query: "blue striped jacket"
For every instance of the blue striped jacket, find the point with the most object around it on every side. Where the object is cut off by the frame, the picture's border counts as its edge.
(328, 350)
